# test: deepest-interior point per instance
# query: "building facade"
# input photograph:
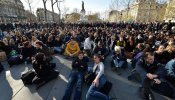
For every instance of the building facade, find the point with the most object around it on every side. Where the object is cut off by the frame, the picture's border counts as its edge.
(11, 11)
(30, 17)
(41, 16)
(170, 11)
(144, 11)
(115, 16)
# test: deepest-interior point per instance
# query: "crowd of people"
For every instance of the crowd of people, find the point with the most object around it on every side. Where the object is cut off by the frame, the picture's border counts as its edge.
(150, 46)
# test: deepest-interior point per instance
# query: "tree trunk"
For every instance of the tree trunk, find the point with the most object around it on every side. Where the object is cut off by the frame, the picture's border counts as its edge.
(45, 10)
(53, 17)
(30, 9)
(58, 6)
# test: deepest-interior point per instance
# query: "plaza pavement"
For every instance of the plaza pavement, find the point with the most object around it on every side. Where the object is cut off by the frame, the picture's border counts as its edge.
(12, 88)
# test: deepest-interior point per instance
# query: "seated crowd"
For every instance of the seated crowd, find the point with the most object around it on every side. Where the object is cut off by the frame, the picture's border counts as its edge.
(150, 47)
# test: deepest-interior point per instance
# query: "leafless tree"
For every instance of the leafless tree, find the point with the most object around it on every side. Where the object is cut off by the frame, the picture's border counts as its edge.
(127, 4)
(45, 10)
(52, 5)
(59, 8)
(75, 10)
(65, 10)
(29, 2)
(114, 5)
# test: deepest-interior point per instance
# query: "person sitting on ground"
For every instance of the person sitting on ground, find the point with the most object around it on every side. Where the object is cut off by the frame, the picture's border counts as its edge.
(34, 40)
(112, 42)
(50, 41)
(149, 72)
(58, 45)
(170, 68)
(121, 42)
(43, 68)
(28, 51)
(40, 47)
(99, 82)
(118, 59)
(1, 67)
(22, 40)
(100, 50)
(138, 53)
(72, 48)
(89, 45)
(161, 55)
(79, 68)
(5, 47)
(170, 49)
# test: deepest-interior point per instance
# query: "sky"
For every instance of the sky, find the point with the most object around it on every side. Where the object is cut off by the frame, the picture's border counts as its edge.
(91, 6)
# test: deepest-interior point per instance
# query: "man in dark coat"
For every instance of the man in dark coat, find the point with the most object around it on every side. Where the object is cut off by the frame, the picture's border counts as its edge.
(79, 68)
(150, 72)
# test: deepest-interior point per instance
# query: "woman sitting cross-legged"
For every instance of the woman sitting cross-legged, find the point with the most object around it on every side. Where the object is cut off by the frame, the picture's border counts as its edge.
(43, 68)
(79, 68)
(98, 83)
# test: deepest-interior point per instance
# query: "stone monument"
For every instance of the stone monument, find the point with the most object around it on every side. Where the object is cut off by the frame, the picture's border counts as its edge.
(82, 13)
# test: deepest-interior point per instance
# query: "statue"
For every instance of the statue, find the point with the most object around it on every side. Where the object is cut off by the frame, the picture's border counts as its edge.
(83, 12)
(83, 5)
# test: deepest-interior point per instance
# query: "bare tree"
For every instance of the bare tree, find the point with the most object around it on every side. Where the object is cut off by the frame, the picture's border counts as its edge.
(59, 8)
(127, 4)
(29, 2)
(75, 10)
(45, 10)
(114, 5)
(52, 4)
(65, 10)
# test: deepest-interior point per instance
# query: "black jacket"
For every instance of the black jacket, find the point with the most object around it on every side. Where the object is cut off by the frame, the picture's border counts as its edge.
(28, 52)
(143, 68)
(43, 69)
(80, 65)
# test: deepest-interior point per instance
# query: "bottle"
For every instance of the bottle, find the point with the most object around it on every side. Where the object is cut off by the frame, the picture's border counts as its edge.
(25, 63)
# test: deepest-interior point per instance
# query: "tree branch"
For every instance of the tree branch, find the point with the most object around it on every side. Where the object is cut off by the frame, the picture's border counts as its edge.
(55, 2)
(45, 1)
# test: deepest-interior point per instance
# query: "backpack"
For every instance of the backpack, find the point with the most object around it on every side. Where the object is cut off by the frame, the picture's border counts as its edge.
(136, 58)
(28, 77)
(14, 60)
(164, 89)
(106, 88)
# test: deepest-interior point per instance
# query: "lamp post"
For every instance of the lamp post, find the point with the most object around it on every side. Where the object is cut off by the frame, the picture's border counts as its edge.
(149, 11)
(38, 16)
(121, 17)
(157, 13)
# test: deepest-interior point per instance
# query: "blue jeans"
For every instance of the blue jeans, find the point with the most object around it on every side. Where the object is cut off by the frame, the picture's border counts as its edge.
(58, 49)
(74, 78)
(118, 63)
(93, 92)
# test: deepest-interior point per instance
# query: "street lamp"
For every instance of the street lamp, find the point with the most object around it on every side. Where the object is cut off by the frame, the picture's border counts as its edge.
(121, 17)
(149, 11)
(38, 16)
